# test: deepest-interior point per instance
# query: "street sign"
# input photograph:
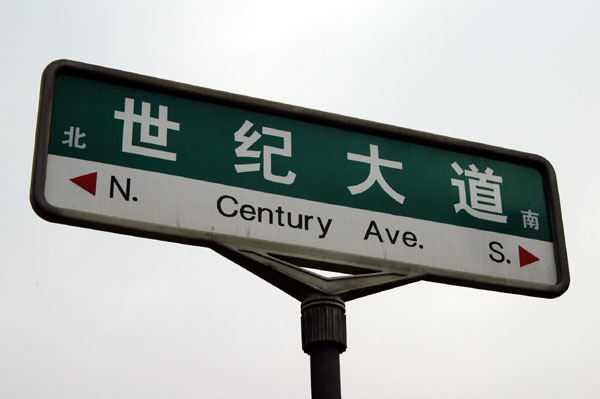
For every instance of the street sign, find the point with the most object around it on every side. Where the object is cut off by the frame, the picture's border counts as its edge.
(138, 155)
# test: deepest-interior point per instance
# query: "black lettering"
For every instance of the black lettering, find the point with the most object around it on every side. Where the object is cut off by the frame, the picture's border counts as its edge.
(373, 230)
(263, 210)
(279, 212)
(230, 207)
(306, 219)
(125, 193)
(247, 212)
(324, 228)
(296, 226)
(409, 239)
(220, 208)
(497, 256)
(393, 238)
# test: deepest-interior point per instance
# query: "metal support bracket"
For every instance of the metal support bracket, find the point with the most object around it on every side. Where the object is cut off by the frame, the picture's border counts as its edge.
(293, 275)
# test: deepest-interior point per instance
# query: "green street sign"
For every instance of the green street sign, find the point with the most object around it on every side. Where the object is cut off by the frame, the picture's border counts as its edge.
(138, 155)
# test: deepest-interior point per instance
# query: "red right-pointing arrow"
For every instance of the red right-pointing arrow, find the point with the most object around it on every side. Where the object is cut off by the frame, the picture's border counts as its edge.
(87, 182)
(526, 257)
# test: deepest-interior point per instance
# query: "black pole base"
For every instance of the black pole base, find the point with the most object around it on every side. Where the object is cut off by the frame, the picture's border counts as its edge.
(323, 339)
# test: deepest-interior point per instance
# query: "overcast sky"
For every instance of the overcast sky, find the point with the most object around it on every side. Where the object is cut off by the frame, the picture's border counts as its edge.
(89, 314)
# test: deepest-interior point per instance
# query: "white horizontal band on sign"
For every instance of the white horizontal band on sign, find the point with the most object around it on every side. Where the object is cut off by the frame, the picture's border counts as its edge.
(207, 209)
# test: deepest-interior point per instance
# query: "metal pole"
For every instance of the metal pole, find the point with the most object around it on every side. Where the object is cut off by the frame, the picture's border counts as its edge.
(323, 339)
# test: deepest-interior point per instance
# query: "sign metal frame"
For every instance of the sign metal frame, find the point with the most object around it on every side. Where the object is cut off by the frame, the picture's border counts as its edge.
(281, 264)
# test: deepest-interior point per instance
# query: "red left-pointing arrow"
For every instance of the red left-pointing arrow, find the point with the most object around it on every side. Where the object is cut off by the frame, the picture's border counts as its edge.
(87, 182)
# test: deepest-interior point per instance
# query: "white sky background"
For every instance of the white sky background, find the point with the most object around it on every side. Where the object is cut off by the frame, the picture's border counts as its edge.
(88, 314)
